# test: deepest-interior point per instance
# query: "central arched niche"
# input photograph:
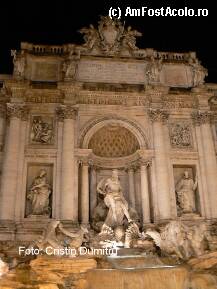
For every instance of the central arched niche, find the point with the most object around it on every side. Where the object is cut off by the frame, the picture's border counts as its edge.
(113, 141)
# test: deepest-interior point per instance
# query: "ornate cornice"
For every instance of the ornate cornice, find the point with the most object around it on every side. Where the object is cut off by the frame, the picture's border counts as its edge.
(201, 117)
(66, 112)
(160, 115)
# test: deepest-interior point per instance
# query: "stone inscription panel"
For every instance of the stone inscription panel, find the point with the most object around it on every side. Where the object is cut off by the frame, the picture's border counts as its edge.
(111, 71)
(43, 71)
(176, 75)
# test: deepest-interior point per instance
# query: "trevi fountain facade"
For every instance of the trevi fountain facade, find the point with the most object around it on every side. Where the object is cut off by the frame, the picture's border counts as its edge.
(107, 148)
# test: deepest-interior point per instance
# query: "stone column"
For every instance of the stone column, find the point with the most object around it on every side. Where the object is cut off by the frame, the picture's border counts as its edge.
(10, 163)
(158, 118)
(132, 198)
(67, 114)
(93, 193)
(84, 192)
(20, 198)
(202, 119)
(145, 193)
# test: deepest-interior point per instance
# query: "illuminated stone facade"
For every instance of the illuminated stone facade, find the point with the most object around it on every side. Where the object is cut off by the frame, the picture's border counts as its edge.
(70, 114)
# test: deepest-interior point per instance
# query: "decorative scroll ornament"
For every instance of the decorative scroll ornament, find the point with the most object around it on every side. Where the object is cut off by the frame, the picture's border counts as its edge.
(201, 117)
(111, 36)
(66, 112)
(158, 115)
(17, 110)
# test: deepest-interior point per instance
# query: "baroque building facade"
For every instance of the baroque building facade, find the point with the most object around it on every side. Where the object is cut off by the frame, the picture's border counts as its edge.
(71, 114)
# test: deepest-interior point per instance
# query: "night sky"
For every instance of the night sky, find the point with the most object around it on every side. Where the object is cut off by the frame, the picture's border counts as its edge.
(58, 22)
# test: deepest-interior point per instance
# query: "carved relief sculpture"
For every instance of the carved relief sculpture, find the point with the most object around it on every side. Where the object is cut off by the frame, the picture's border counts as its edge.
(180, 135)
(42, 131)
(39, 194)
(185, 190)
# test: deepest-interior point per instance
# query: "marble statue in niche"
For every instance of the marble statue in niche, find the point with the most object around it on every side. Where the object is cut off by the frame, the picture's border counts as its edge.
(114, 200)
(185, 190)
(39, 194)
(180, 135)
(42, 130)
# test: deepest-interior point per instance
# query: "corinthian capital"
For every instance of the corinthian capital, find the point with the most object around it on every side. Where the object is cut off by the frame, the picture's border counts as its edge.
(17, 111)
(66, 112)
(201, 117)
(158, 115)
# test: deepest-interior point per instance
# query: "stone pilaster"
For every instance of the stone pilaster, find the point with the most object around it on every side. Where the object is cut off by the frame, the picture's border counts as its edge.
(158, 118)
(68, 210)
(208, 154)
(15, 113)
(2, 124)
(19, 203)
(145, 192)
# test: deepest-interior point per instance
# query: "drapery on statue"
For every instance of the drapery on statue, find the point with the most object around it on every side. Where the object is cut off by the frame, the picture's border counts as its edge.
(185, 189)
(114, 200)
(39, 195)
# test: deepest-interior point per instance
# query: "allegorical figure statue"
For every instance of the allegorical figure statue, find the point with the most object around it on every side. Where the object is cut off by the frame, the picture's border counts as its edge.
(114, 200)
(185, 189)
(19, 63)
(39, 195)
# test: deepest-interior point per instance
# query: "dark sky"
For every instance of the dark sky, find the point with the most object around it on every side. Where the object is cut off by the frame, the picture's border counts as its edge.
(57, 22)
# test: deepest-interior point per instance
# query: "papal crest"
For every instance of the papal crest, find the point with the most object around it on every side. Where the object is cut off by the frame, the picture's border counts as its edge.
(111, 37)
(110, 32)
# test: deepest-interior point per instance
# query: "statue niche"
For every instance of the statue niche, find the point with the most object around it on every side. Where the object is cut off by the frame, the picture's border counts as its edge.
(39, 196)
(186, 194)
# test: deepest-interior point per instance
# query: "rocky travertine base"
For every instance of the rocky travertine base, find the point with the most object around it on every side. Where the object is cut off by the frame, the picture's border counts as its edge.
(49, 272)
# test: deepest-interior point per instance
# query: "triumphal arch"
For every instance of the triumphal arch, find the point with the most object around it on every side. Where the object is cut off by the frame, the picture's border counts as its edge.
(71, 114)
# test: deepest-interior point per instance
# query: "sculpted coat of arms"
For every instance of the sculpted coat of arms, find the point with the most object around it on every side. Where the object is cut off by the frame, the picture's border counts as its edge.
(111, 36)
